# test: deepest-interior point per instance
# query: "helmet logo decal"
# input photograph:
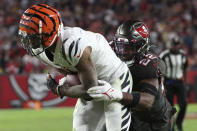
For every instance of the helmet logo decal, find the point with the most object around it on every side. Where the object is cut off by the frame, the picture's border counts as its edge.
(143, 31)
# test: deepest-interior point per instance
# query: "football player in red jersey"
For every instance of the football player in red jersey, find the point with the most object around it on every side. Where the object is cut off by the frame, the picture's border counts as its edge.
(150, 109)
(88, 54)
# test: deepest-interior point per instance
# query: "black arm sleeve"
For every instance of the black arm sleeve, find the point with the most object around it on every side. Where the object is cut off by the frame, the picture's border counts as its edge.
(147, 88)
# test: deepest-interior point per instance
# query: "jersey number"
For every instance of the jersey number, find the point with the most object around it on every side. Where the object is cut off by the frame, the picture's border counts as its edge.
(148, 58)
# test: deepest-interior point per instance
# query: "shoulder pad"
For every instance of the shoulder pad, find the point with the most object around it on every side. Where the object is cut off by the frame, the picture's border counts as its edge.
(146, 67)
(71, 50)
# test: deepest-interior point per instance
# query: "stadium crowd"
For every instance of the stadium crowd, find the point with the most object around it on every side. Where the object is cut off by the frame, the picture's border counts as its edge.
(164, 17)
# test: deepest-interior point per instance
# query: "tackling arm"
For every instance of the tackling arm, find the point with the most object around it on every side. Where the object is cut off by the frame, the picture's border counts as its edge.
(144, 99)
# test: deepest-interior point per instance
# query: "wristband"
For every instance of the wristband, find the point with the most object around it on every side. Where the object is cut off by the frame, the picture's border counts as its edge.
(130, 99)
(58, 92)
(136, 99)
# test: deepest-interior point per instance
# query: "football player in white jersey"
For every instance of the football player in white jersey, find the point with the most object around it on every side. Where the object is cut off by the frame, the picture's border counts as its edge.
(74, 50)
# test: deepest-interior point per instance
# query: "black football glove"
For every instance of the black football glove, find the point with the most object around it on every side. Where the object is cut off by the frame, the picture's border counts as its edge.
(53, 85)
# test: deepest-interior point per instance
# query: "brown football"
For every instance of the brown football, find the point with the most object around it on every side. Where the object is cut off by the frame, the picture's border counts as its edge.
(72, 80)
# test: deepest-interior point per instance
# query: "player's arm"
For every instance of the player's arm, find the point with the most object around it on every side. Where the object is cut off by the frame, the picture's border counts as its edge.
(142, 100)
(87, 75)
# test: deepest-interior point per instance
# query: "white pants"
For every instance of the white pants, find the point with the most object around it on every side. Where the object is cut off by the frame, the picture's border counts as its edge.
(102, 116)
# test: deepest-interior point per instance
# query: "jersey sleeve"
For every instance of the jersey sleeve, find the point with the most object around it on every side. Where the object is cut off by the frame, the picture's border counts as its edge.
(72, 49)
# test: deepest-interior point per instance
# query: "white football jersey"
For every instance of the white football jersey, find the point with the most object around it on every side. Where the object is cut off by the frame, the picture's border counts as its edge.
(70, 47)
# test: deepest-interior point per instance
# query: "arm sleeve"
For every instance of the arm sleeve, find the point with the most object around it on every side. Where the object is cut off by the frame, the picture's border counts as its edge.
(147, 88)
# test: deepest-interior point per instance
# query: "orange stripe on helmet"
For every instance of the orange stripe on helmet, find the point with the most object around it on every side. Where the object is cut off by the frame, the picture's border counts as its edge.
(44, 12)
(52, 9)
(49, 16)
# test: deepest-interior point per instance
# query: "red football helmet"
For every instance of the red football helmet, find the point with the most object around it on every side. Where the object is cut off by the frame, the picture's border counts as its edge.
(39, 28)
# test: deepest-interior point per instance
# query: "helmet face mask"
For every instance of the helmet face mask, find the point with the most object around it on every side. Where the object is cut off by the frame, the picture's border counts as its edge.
(39, 28)
(125, 51)
(131, 39)
(33, 44)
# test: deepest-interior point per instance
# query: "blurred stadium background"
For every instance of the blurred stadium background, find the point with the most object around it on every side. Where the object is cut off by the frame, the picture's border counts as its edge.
(22, 77)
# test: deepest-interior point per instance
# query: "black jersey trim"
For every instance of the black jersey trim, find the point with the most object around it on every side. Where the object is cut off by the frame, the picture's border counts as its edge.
(125, 129)
(126, 113)
(76, 46)
(70, 50)
(129, 90)
(126, 81)
(124, 107)
(121, 76)
(63, 52)
(125, 121)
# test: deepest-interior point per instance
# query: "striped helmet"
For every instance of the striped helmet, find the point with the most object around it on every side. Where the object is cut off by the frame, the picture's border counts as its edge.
(39, 28)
